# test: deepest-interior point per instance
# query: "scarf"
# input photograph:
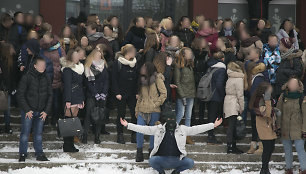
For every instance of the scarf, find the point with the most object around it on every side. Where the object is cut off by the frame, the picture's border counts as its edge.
(206, 32)
(130, 63)
(55, 47)
(95, 68)
(293, 95)
(78, 68)
(109, 38)
(67, 40)
(165, 32)
(95, 36)
(287, 54)
(228, 31)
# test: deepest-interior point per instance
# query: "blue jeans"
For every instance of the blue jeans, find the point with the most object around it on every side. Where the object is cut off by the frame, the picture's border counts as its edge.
(26, 125)
(299, 146)
(181, 110)
(160, 163)
(140, 121)
(7, 113)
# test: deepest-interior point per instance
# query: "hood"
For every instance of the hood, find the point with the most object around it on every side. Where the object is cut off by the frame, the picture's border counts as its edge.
(47, 46)
(292, 54)
(219, 65)
(138, 31)
(33, 45)
(235, 74)
(150, 31)
(234, 67)
(259, 68)
(250, 41)
(95, 36)
(211, 61)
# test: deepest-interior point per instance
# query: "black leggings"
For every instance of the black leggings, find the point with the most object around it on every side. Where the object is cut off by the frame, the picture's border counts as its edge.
(131, 102)
(231, 130)
(253, 124)
(268, 148)
(215, 110)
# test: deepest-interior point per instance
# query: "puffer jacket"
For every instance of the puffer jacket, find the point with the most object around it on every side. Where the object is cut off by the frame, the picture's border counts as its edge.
(185, 82)
(290, 65)
(152, 97)
(181, 132)
(293, 120)
(52, 51)
(234, 99)
(35, 92)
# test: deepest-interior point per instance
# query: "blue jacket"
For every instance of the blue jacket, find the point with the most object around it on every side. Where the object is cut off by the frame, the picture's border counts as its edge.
(271, 59)
(218, 79)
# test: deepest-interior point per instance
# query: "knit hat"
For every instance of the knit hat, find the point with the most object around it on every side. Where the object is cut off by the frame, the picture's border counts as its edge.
(287, 42)
(33, 45)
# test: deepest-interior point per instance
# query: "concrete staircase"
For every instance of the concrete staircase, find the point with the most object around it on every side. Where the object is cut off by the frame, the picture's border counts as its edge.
(207, 157)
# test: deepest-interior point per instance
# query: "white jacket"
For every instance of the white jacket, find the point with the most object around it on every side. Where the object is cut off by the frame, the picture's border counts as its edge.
(180, 134)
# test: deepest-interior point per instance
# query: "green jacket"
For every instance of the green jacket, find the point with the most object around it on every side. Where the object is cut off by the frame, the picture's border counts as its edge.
(184, 80)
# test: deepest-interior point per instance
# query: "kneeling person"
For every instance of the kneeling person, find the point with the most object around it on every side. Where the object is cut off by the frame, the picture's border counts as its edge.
(35, 100)
(169, 142)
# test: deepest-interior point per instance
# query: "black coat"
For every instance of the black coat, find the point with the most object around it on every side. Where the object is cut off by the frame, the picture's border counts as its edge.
(3, 33)
(289, 67)
(200, 64)
(136, 36)
(17, 36)
(115, 46)
(99, 86)
(150, 54)
(73, 86)
(35, 92)
(229, 55)
(186, 36)
(124, 80)
(218, 81)
(7, 77)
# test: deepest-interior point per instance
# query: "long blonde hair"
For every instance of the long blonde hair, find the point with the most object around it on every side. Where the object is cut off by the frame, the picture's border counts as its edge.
(99, 48)
(164, 22)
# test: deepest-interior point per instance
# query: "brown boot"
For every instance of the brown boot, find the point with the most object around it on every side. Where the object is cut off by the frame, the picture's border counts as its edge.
(303, 172)
(288, 171)
(76, 139)
(31, 137)
(189, 140)
(259, 150)
(253, 147)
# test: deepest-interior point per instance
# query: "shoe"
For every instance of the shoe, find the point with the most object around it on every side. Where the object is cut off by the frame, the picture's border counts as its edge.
(259, 150)
(120, 138)
(84, 139)
(139, 155)
(288, 171)
(31, 137)
(303, 172)
(175, 172)
(189, 140)
(8, 129)
(253, 147)
(133, 137)
(264, 171)
(22, 158)
(97, 139)
(163, 172)
(103, 130)
(69, 145)
(212, 140)
(42, 158)
(231, 148)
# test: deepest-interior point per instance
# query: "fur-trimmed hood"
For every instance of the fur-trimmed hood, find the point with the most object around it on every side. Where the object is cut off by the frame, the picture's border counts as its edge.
(78, 68)
(259, 68)
(150, 31)
(234, 70)
(294, 54)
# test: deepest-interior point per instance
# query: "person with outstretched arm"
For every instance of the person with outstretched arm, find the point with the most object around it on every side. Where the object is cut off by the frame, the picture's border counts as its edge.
(169, 142)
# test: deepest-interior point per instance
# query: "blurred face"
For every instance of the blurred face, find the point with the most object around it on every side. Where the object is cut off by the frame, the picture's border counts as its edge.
(169, 25)
(253, 55)
(288, 26)
(8, 23)
(228, 25)
(282, 48)
(114, 22)
(205, 25)
(149, 22)
(29, 20)
(98, 56)
(19, 18)
(66, 32)
(273, 42)
(241, 26)
(108, 32)
(82, 55)
(174, 41)
(89, 30)
(188, 54)
(244, 35)
(29, 51)
(75, 57)
(158, 29)
(140, 22)
(220, 43)
(132, 53)
(47, 39)
(200, 19)
(84, 41)
(293, 85)
(40, 66)
(97, 20)
(38, 20)
(203, 43)
(261, 24)
(185, 23)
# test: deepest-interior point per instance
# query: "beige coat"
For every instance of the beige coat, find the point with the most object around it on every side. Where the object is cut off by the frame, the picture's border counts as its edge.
(264, 123)
(234, 99)
(150, 98)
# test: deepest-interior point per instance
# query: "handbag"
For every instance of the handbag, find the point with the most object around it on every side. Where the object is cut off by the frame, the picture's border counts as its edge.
(97, 113)
(240, 128)
(3, 100)
(70, 126)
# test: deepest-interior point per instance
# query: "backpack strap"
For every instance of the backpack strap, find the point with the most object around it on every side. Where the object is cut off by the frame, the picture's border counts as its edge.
(59, 51)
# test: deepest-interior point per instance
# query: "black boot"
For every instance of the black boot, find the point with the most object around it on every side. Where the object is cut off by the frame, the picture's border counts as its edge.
(264, 171)
(84, 138)
(236, 150)
(212, 140)
(22, 158)
(69, 145)
(120, 138)
(175, 172)
(8, 129)
(231, 148)
(139, 155)
(103, 130)
(133, 137)
(97, 138)
(42, 157)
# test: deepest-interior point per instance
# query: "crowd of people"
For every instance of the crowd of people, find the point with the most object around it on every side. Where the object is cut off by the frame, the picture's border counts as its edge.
(228, 69)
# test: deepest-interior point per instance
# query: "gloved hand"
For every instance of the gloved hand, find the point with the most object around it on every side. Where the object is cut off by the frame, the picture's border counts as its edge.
(267, 95)
(184, 101)
(102, 96)
(97, 96)
(304, 135)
